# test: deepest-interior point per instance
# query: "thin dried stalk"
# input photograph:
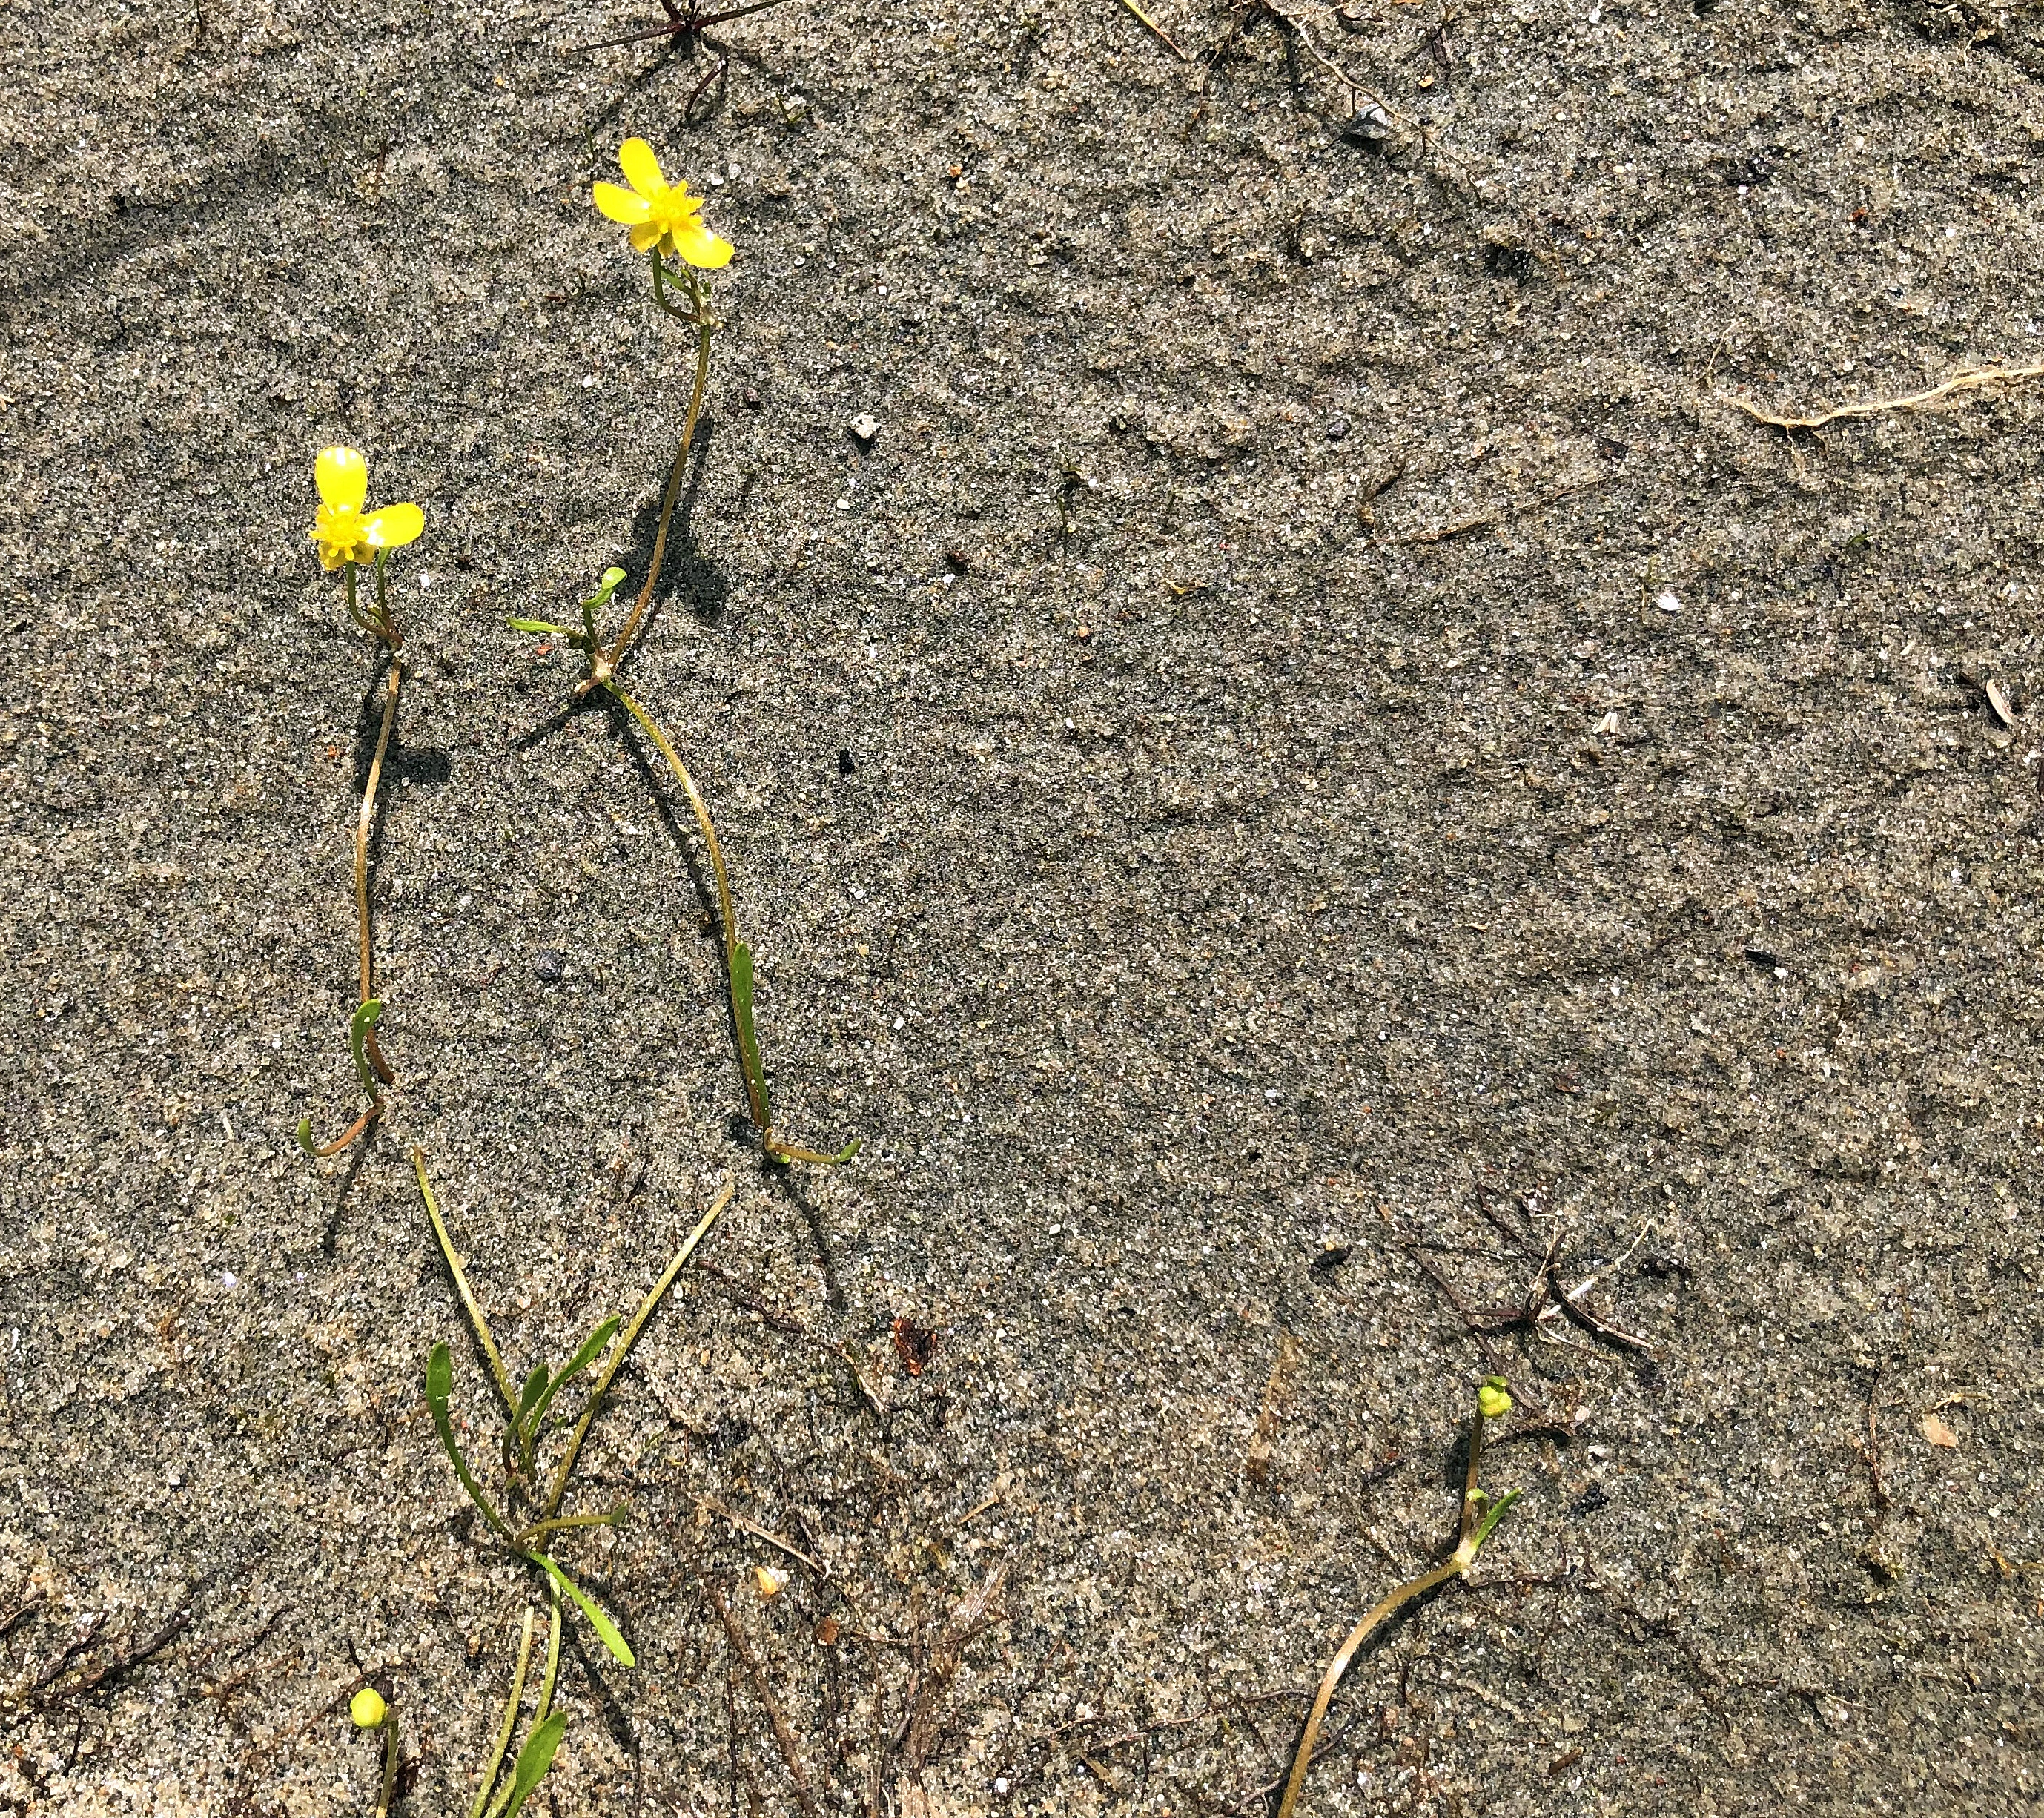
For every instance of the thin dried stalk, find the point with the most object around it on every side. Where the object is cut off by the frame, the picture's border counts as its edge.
(1971, 380)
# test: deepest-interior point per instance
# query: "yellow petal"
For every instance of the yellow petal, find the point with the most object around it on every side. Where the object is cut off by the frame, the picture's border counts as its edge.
(647, 233)
(342, 476)
(701, 247)
(620, 204)
(392, 527)
(641, 169)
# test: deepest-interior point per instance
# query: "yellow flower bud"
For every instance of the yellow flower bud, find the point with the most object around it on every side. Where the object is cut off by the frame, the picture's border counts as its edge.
(367, 1708)
(1492, 1402)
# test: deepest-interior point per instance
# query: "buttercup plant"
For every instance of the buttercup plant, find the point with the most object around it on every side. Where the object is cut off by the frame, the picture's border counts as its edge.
(531, 1416)
(349, 538)
(1479, 1516)
(663, 219)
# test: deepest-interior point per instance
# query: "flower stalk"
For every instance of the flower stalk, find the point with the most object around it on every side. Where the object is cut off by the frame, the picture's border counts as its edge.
(1479, 1517)
(347, 538)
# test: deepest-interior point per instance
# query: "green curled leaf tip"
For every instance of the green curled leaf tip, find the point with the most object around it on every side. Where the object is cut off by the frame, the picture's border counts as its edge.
(305, 1138)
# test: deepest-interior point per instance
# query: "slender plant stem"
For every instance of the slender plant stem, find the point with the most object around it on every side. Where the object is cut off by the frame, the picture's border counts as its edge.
(468, 1300)
(1469, 1536)
(389, 1765)
(700, 317)
(366, 822)
(495, 1760)
(627, 1339)
(726, 911)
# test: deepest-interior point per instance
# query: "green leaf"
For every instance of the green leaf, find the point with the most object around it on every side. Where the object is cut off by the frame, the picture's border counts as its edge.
(534, 1759)
(1492, 1516)
(581, 1361)
(540, 627)
(305, 1138)
(440, 1385)
(606, 1630)
(748, 1039)
(598, 600)
(359, 1025)
(535, 1386)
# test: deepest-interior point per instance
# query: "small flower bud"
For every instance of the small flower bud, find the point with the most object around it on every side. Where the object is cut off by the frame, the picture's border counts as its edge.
(367, 1708)
(1492, 1402)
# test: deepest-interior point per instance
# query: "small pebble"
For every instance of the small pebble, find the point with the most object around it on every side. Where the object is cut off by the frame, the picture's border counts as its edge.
(1337, 428)
(865, 428)
(548, 967)
(1369, 125)
(751, 395)
(845, 765)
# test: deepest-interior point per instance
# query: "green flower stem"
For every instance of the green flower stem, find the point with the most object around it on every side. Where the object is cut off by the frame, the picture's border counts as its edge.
(496, 1761)
(1473, 1529)
(366, 822)
(630, 1337)
(468, 1300)
(697, 316)
(389, 1765)
(755, 1087)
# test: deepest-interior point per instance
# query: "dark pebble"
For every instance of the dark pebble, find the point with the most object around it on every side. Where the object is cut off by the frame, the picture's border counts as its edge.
(1337, 428)
(845, 765)
(548, 967)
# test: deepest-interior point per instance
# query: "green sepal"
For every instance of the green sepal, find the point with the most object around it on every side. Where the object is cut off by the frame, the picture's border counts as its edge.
(606, 1630)
(359, 1025)
(748, 1039)
(440, 1385)
(533, 1760)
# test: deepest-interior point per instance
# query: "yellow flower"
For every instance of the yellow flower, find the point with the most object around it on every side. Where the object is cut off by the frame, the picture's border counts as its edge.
(342, 531)
(1492, 1402)
(366, 1708)
(658, 216)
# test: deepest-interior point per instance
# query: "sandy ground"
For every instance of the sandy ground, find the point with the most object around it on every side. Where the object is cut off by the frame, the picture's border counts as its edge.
(1313, 768)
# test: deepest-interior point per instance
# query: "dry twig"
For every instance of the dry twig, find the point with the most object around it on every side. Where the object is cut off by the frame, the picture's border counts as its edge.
(784, 1734)
(1948, 394)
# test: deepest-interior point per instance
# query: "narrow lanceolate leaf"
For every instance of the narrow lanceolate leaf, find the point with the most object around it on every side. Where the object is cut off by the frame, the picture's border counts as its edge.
(534, 1759)
(535, 1386)
(1492, 1516)
(440, 1385)
(540, 627)
(606, 1630)
(591, 1348)
(749, 1040)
